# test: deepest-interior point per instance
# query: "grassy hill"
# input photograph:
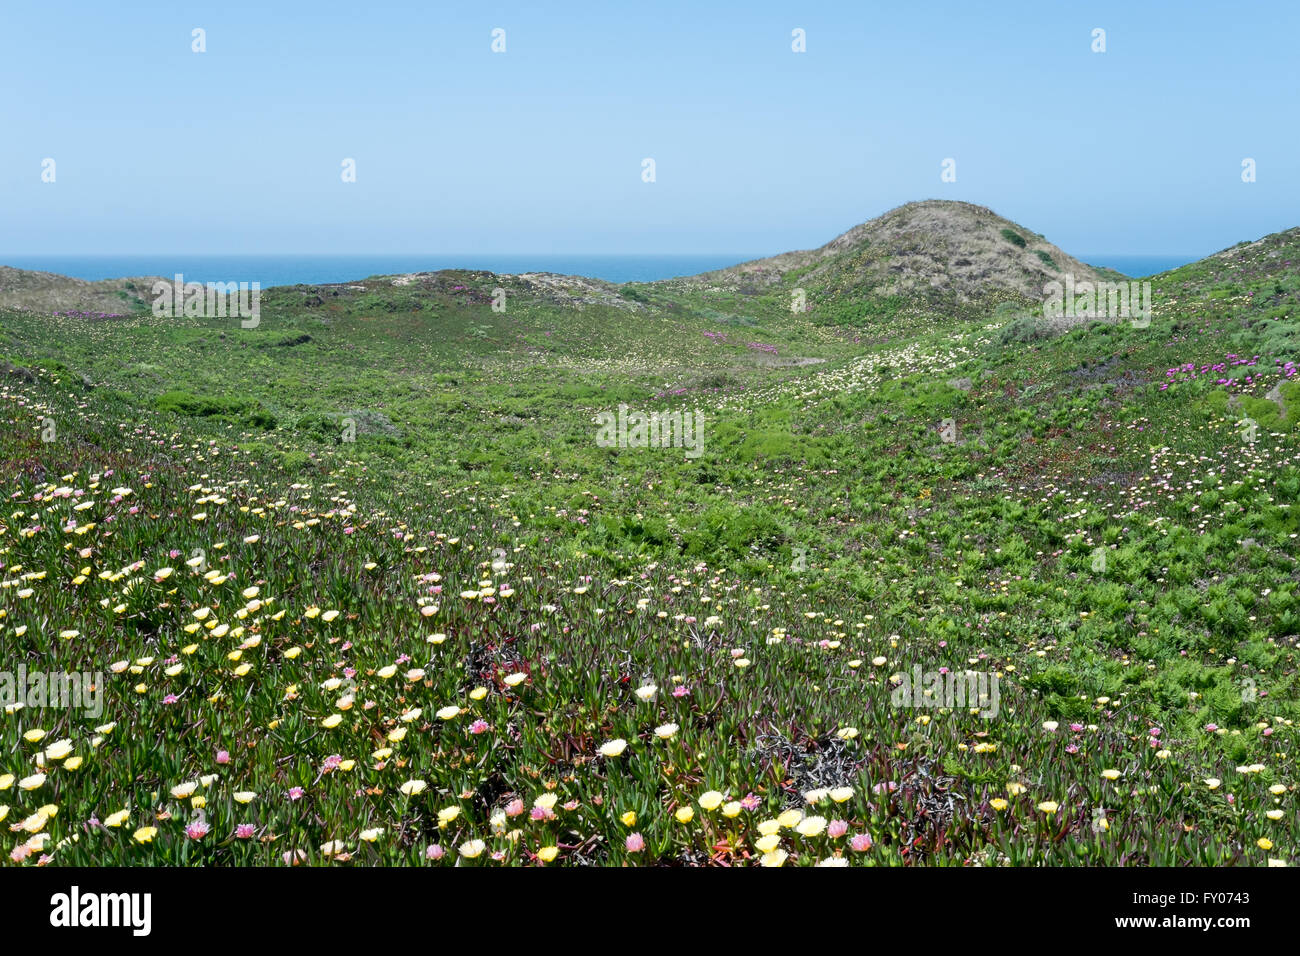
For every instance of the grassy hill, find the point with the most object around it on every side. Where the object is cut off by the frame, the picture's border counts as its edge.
(363, 586)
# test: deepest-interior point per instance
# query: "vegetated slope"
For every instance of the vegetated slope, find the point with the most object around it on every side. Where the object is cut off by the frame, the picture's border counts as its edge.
(49, 292)
(938, 253)
(371, 554)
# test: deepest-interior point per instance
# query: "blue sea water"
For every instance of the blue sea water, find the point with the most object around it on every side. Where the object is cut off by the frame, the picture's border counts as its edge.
(1138, 266)
(271, 270)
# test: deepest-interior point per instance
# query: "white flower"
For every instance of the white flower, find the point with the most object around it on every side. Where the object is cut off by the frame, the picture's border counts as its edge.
(613, 748)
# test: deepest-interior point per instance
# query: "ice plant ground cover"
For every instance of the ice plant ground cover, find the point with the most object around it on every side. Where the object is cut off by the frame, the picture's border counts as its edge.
(362, 588)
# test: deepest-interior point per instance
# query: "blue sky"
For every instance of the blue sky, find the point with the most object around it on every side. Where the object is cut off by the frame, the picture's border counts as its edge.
(1137, 150)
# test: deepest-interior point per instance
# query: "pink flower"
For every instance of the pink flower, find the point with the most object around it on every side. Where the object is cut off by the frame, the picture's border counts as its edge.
(244, 831)
(837, 828)
(635, 843)
(296, 793)
(434, 851)
(197, 830)
(514, 807)
(478, 727)
(223, 756)
(860, 842)
(680, 691)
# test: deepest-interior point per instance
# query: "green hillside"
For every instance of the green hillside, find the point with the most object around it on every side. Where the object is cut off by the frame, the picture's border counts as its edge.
(362, 585)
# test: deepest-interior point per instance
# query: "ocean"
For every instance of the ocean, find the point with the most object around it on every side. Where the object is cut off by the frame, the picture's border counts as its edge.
(1138, 266)
(272, 270)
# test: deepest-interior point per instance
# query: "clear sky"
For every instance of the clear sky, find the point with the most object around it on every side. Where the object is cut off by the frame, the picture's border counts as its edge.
(758, 149)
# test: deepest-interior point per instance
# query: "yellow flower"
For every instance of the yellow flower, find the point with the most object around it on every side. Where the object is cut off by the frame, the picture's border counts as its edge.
(811, 826)
(1213, 782)
(1111, 774)
(685, 814)
(412, 787)
(183, 790)
(790, 818)
(997, 803)
(373, 834)
(59, 749)
(1264, 843)
(548, 853)
(775, 858)
(144, 834)
(629, 818)
(711, 800)
(1049, 807)
(767, 844)
(332, 721)
(32, 782)
(449, 712)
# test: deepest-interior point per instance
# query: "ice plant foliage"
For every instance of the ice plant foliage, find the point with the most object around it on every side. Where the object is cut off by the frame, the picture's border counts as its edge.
(335, 616)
